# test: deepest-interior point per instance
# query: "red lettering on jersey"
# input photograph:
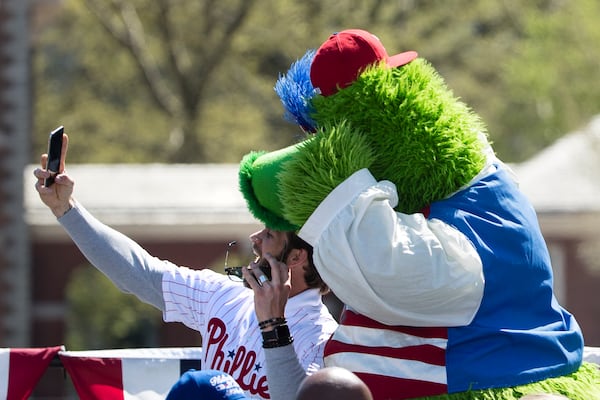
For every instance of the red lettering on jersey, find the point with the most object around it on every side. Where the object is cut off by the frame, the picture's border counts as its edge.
(242, 365)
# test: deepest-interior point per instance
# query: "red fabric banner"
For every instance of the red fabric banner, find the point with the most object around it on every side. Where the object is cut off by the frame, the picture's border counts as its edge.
(21, 369)
(126, 374)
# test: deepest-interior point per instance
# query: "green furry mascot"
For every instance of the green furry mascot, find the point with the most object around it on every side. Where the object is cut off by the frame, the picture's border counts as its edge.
(419, 229)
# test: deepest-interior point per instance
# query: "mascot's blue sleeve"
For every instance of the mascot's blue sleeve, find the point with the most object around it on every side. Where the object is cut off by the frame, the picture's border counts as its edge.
(521, 331)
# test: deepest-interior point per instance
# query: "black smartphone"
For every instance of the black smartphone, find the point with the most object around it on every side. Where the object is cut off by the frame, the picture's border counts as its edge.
(54, 149)
(237, 271)
(266, 269)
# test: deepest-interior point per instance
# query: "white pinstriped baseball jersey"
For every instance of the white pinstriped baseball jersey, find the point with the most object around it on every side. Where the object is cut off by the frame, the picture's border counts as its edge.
(223, 312)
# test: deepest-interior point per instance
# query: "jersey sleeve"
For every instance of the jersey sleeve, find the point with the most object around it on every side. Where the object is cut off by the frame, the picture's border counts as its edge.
(399, 269)
(192, 296)
(131, 268)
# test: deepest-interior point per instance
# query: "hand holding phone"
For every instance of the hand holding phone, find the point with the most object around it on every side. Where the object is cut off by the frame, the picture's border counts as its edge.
(54, 153)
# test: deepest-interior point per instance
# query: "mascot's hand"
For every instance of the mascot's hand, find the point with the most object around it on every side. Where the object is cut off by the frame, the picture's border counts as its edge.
(283, 188)
(321, 163)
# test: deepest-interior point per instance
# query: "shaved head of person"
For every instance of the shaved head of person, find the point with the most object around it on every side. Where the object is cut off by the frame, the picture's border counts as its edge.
(333, 383)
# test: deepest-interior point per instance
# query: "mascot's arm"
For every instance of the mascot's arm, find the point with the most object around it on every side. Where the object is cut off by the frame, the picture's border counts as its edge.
(395, 268)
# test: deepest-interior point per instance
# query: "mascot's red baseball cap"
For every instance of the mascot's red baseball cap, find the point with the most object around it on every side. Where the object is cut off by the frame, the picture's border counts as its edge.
(339, 61)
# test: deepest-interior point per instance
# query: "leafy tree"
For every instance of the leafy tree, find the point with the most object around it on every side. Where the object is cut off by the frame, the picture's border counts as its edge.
(100, 316)
(155, 80)
(100, 92)
(192, 81)
(168, 81)
(552, 80)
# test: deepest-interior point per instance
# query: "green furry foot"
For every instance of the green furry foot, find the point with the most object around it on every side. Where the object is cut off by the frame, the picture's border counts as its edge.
(583, 384)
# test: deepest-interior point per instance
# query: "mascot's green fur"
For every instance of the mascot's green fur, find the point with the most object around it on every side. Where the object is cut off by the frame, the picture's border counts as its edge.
(583, 384)
(405, 126)
(395, 114)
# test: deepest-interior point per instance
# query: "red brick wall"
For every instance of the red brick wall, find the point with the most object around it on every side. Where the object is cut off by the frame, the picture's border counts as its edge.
(582, 289)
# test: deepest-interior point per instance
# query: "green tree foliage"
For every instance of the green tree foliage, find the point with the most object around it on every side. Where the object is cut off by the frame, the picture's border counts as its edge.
(192, 81)
(133, 75)
(101, 317)
(553, 79)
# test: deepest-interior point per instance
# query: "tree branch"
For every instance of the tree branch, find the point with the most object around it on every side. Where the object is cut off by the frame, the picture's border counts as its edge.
(220, 42)
(130, 34)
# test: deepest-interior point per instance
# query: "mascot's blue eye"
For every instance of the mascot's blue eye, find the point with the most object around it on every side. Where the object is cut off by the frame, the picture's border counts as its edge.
(295, 90)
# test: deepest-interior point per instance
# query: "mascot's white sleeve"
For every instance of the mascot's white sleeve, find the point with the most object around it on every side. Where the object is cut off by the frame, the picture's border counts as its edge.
(398, 269)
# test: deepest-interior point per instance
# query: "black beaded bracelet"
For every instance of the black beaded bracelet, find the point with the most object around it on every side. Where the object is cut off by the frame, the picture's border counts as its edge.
(278, 337)
(272, 322)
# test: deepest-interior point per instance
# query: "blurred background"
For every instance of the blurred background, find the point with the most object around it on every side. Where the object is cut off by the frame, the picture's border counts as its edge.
(164, 97)
(192, 81)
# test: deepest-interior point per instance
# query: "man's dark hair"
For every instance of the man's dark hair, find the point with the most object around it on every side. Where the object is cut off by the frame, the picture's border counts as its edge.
(311, 275)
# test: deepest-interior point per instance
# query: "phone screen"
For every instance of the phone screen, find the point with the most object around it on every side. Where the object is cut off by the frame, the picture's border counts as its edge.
(54, 150)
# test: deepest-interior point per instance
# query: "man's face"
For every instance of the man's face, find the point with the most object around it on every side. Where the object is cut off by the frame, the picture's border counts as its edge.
(268, 241)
